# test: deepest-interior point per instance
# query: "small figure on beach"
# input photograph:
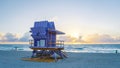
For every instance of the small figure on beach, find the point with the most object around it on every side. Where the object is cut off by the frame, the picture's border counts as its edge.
(116, 51)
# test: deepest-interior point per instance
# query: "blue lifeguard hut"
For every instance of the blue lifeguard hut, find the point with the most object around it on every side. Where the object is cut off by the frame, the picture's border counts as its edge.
(44, 42)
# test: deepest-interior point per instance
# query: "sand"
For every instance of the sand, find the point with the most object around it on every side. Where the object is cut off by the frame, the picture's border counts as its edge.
(12, 59)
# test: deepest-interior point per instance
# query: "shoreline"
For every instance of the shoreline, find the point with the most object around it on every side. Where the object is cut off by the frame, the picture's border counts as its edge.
(27, 43)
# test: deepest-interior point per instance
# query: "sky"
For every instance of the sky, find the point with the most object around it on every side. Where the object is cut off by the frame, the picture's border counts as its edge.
(84, 21)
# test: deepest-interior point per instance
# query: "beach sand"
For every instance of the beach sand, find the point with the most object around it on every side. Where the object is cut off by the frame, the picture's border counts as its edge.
(12, 59)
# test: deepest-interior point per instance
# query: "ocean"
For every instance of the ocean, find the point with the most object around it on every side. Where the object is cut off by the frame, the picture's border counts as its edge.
(76, 48)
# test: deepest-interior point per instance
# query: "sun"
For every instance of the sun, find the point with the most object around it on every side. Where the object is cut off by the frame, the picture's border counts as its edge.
(76, 35)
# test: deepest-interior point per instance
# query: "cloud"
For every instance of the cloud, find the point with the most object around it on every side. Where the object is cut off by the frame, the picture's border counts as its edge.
(103, 38)
(8, 37)
(1, 37)
(93, 38)
(68, 38)
(25, 38)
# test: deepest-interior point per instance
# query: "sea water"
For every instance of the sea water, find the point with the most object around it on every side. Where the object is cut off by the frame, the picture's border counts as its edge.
(77, 48)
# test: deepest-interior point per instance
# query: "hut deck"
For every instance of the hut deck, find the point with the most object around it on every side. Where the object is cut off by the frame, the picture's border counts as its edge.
(46, 48)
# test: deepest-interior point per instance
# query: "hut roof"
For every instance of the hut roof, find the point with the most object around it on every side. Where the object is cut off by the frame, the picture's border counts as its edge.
(56, 31)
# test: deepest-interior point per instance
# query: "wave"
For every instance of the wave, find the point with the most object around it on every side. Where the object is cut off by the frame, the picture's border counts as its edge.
(82, 48)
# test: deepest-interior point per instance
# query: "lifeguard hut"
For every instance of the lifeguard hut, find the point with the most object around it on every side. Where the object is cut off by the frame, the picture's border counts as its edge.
(44, 42)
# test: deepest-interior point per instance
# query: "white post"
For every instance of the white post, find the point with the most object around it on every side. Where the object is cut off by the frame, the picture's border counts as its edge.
(55, 56)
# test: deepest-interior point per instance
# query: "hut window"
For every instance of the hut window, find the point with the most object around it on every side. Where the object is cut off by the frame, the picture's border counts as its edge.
(42, 43)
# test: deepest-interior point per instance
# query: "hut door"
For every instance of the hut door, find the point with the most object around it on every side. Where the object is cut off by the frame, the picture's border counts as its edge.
(38, 43)
(42, 43)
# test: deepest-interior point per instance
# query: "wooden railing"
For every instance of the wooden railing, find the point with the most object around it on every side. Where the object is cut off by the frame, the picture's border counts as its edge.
(31, 42)
(59, 43)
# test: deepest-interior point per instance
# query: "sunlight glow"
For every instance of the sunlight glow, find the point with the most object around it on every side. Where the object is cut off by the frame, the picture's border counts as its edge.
(76, 35)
